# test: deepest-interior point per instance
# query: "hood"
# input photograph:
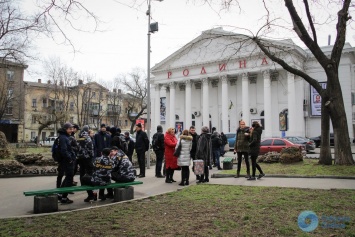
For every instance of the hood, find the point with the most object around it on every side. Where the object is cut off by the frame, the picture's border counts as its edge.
(159, 128)
(83, 133)
(207, 135)
(185, 137)
(61, 131)
(259, 130)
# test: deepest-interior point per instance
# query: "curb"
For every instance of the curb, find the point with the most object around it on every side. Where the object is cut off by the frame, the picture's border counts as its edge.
(288, 176)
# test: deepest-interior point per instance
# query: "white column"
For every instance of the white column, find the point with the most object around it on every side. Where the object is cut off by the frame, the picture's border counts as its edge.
(205, 104)
(225, 98)
(267, 104)
(172, 104)
(245, 99)
(156, 116)
(188, 113)
(291, 99)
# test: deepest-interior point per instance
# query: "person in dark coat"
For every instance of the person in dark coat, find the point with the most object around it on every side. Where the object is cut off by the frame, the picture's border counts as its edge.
(102, 140)
(241, 147)
(224, 143)
(255, 137)
(204, 152)
(142, 145)
(159, 148)
(216, 149)
(195, 137)
(170, 142)
(129, 146)
(68, 158)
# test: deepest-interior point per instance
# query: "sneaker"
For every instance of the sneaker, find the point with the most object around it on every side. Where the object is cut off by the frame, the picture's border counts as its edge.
(90, 198)
(261, 175)
(66, 201)
(141, 176)
(160, 176)
(102, 197)
(251, 178)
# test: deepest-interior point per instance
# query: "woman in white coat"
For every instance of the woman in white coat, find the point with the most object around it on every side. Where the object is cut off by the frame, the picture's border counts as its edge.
(184, 158)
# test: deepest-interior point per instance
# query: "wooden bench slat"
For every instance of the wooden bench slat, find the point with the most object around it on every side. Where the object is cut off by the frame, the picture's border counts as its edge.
(78, 188)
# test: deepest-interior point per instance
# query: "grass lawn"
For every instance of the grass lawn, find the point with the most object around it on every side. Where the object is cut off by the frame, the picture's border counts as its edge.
(200, 210)
(308, 167)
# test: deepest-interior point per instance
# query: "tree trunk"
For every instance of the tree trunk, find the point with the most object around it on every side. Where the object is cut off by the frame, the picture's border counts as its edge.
(335, 106)
(325, 156)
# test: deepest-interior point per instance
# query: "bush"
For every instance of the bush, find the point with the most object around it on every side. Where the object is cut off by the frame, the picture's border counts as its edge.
(270, 157)
(290, 155)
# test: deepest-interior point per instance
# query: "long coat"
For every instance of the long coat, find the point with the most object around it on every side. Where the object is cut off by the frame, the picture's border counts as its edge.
(170, 142)
(255, 141)
(242, 142)
(204, 149)
(184, 157)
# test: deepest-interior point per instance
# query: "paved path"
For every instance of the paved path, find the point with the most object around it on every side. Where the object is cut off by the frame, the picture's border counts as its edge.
(14, 203)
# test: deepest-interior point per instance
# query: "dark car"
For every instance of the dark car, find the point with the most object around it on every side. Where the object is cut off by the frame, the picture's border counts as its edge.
(317, 140)
(308, 143)
(277, 144)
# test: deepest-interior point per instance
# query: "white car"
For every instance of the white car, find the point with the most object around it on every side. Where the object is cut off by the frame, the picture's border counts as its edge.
(48, 142)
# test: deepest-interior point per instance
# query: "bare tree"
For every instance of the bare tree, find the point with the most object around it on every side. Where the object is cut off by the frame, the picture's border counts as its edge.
(114, 103)
(135, 87)
(59, 94)
(306, 29)
(18, 29)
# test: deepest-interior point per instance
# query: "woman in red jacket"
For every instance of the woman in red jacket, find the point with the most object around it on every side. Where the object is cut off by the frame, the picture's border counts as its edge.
(170, 142)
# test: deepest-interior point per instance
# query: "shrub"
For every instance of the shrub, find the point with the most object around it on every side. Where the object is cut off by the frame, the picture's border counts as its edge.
(290, 155)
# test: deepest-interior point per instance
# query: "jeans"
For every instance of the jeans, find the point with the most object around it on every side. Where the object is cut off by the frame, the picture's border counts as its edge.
(69, 175)
(216, 156)
(240, 157)
(160, 157)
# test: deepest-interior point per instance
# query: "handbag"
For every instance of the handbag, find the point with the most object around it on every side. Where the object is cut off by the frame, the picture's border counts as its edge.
(226, 147)
(178, 150)
(199, 167)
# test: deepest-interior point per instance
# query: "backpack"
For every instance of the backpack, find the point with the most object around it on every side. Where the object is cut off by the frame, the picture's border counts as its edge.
(56, 150)
(155, 144)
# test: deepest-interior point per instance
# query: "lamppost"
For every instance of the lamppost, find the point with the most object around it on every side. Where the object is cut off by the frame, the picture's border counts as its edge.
(152, 27)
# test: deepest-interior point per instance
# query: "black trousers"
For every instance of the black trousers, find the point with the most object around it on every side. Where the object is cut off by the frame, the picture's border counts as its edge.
(69, 175)
(86, 167)
(185, 173)
(204, 177)
(160, 157)
(245, 154)
(255, 165)
(141, 162)
(60, 175)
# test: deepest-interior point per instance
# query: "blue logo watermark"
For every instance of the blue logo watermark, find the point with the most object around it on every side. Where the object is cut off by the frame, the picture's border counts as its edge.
(308, 221)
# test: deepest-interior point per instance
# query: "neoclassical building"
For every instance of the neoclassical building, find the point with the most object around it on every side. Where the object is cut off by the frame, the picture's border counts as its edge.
(221, 77)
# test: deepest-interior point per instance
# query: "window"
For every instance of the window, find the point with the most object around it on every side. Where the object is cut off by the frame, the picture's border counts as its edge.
(10, 75)
(126, 123)
(44, 102)
(10, 93)
(119, 123)
(34, 103)
(266, 142)
(71, 106)
(33, 120)
(8, 109)
(278, 142)
(93, 94)
(71, 120)
(33, 135)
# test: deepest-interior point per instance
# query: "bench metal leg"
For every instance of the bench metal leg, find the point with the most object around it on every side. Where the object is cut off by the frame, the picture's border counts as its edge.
(45, 204)
(122, 194)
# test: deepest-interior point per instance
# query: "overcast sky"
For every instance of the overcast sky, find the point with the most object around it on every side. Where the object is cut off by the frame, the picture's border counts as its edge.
(121, 42)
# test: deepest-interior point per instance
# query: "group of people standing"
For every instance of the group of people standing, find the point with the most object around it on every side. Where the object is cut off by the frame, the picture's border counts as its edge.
(248, 144)
(99, 156)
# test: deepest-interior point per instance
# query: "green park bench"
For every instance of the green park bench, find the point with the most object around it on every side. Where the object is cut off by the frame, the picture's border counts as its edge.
(47, 200)
(228, 163)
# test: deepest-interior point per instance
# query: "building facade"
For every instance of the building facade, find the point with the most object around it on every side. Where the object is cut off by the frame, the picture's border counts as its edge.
(221, 77)
(11, 100)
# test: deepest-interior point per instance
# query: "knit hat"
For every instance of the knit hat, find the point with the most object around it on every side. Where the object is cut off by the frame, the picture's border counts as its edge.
(67, 125)
(86, 128)
(103, 125)
(76, 126)
(205, 129)
(114, 148)
(113, 130)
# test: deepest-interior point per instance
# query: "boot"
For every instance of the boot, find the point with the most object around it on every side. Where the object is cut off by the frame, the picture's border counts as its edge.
(167, 177)
(238, 174)
(248, 175)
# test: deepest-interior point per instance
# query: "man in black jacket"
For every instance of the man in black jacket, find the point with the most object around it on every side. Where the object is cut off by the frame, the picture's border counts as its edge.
(68, 158)
(142, 145)
(158, 147)
(102, 140)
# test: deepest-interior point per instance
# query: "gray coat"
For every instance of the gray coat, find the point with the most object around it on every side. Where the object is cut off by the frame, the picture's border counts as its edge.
(186, 144)
(204, 149)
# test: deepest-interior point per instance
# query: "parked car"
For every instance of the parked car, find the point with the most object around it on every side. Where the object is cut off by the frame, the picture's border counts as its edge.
(308, 143)
(48, 141)
(317, 140)
(277, 144)
(231, 139)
